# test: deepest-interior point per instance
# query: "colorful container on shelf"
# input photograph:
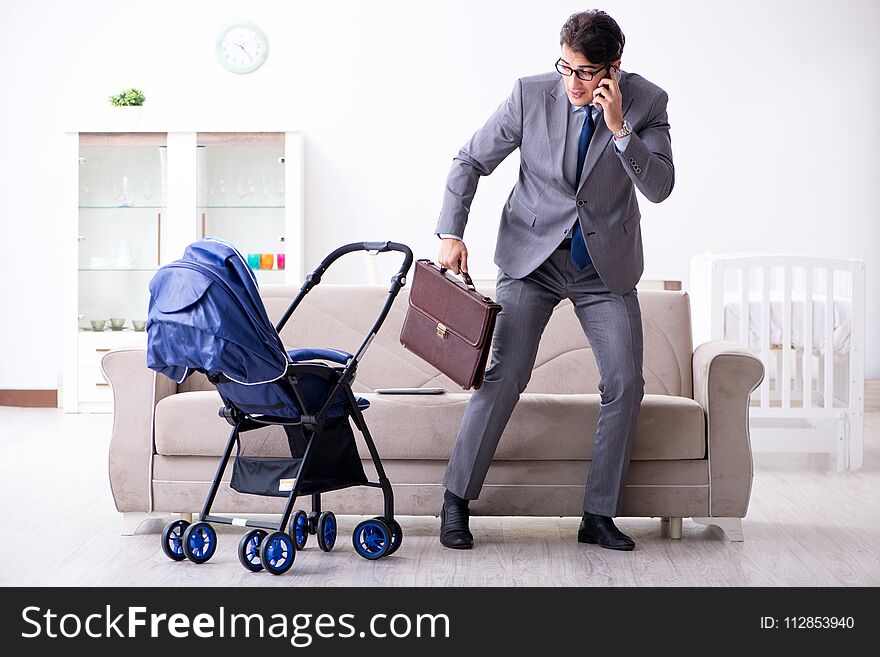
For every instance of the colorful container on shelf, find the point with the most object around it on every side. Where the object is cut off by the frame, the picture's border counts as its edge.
(265, 260)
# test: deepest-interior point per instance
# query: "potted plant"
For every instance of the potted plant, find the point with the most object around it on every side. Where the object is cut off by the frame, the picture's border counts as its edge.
(128, 98)
(130, 103)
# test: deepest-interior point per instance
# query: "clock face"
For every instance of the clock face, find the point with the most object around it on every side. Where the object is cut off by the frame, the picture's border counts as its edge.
(242, 48)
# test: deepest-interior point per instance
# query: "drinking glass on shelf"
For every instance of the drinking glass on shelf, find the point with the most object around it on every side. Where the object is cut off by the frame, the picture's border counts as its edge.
(250, 187)
(241, 189)
(148, 189)
(265, 186)
(123, 191)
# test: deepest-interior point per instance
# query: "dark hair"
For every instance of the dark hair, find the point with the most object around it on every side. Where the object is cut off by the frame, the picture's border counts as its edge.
(593, 34)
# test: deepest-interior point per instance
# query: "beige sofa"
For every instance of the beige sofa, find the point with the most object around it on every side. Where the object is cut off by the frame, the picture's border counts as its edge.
(691, 458)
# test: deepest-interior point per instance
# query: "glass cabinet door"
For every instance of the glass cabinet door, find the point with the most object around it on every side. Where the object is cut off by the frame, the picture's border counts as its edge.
(241, 196)
(121, 203)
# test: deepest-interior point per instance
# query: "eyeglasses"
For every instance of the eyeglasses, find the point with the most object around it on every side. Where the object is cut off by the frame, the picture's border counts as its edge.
(586, 76)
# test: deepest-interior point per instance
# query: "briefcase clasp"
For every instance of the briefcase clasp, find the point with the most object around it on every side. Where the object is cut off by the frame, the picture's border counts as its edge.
(442, 331)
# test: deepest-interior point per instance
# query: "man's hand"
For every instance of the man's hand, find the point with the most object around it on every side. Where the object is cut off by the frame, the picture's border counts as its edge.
(452, 254)
(608, 96)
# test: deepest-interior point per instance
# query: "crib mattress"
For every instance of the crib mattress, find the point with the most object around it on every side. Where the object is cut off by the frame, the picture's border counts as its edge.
(841, 322)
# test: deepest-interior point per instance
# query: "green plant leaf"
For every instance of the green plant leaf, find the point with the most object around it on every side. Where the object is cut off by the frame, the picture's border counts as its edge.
(128, 97)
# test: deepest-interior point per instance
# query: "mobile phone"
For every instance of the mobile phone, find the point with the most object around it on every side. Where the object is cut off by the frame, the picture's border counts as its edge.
(615, 75)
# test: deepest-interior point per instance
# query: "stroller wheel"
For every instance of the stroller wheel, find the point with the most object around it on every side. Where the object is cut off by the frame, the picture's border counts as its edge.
(299, 529)
(372, 539)
(249, 550)
(199, 542)
(277, 553)
(396, 534)
(172, 539)
(327, 531)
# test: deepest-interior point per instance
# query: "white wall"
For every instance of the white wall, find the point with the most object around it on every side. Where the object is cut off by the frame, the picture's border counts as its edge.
(773, 109)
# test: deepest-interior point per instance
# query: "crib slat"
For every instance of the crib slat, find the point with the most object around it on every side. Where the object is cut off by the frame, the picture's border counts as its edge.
(718, 330)
(744, 331)
(857, 367)
(785, 379)
(808, 338)
(764, 334)
(829, 338)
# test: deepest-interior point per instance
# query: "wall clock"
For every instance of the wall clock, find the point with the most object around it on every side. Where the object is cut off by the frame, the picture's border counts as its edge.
(242, 48)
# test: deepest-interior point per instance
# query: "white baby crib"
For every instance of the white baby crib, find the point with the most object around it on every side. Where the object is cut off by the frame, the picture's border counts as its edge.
(804, 317)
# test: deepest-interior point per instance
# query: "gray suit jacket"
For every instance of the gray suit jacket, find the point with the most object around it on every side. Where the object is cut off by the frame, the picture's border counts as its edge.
(542, 207)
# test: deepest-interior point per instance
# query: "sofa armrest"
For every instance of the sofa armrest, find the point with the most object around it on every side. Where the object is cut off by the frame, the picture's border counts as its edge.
(136, 391)
(725, 374)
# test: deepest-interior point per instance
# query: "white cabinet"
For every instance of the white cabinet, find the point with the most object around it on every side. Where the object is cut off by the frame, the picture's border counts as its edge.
(135, 200)
(93, 391)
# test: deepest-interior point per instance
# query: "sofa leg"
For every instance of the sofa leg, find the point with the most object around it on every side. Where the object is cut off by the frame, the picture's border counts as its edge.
(131, 520)
(664, 520)
(732, 527)
(675, 528)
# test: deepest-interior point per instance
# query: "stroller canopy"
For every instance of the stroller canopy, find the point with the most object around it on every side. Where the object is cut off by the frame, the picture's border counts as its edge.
(206, 315)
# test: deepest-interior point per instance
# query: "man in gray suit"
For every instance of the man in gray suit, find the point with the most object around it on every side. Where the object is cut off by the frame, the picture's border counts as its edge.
(589, 135)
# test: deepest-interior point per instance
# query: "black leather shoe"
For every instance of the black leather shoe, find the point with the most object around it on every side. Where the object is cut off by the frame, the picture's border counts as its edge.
(454, 532)
(601, 530)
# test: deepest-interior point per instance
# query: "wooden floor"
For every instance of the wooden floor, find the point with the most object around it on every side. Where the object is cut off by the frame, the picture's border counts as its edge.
(807, 526)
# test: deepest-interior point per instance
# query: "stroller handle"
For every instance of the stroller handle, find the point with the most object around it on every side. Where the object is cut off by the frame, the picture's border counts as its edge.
(397, 282)
(379, 247)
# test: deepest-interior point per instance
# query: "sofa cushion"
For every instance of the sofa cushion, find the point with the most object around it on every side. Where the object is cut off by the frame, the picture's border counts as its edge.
(425, 427)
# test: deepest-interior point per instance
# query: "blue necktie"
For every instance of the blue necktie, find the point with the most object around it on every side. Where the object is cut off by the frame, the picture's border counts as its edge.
(579, 255)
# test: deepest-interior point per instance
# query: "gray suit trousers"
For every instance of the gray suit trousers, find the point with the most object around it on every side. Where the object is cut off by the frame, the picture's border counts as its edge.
(613, 326)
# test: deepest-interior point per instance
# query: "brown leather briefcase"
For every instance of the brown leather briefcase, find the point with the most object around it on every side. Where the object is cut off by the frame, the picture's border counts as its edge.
(449, 324)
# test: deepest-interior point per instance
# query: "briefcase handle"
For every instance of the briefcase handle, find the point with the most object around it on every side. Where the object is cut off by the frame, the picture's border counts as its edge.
(467, 278)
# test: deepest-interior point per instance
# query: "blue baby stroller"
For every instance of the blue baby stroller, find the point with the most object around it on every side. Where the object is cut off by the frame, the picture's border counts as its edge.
(206, 316)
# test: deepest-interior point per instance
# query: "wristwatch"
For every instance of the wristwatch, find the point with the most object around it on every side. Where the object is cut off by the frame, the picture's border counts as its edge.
(623, 132)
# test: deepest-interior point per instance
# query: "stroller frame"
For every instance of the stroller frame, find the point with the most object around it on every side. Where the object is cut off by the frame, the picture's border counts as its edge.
(312, 420)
